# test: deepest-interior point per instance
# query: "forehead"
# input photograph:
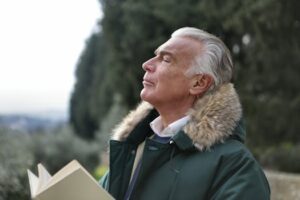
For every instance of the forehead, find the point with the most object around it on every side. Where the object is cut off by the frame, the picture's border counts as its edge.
(181, 46)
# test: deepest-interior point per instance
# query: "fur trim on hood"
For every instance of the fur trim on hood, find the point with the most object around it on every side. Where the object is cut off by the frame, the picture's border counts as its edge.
(213, 118)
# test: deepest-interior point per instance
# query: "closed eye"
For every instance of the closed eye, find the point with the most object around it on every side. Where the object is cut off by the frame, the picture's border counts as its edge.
(166, 59)
(165, 56)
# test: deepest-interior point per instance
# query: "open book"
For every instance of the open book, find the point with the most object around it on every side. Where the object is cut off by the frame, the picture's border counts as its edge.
(72, 182)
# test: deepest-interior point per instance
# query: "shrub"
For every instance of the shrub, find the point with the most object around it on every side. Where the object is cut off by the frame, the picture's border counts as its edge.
(21, 151)
(57, 149)
(285, 157)
(15, 159)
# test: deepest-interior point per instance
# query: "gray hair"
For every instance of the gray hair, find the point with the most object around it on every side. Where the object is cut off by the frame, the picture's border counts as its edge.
(214, 59)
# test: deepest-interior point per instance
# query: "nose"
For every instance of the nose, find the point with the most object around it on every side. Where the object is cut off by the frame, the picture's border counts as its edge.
(149, 65)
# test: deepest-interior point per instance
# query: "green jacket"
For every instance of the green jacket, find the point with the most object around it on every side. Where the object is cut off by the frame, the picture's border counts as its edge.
(205, 160)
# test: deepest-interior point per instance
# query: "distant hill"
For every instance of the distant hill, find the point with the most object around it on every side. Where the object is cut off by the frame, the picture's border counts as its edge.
(32, 122)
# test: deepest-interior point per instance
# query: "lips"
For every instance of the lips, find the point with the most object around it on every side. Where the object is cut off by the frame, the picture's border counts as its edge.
(147, 82)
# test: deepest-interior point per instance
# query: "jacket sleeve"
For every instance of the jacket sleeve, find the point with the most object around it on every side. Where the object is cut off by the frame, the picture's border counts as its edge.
(239, 177)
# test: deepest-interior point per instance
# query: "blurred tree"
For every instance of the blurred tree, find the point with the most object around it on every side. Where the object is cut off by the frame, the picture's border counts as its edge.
(90, 88)
(268, 74)
(114, 116)
(15, 159)
(57, 149)
(262, 34)
(20, 151)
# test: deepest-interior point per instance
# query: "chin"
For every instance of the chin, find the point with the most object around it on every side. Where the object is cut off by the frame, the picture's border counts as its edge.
(143, 95)
(146, 96)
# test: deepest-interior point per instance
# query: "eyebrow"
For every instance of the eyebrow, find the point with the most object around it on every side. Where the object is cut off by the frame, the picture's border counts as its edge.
(163, 52)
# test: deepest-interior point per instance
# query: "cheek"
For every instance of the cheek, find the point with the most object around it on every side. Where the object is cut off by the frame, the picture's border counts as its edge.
(173, 83)
(167, 75)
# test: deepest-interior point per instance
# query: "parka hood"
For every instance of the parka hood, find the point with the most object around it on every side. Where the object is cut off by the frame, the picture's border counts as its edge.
(213, 118)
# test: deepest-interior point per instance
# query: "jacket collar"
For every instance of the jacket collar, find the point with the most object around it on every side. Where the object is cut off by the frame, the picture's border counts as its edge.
(213, 118)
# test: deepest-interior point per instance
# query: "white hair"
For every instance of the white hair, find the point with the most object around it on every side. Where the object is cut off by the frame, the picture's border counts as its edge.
(214, 59)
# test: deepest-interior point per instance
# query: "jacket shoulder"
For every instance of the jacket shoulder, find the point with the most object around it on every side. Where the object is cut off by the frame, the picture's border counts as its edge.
(238, 174)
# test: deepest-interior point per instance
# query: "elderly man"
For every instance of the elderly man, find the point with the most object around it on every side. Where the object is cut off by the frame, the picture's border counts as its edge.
(185, 141)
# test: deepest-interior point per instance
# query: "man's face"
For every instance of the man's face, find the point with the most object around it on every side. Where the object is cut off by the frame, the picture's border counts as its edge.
(165, 81)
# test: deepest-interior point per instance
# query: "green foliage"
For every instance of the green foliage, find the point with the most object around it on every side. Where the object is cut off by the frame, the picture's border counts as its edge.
(84, 110)
(283, 158)
(15, 159)
(57, 149)
(114, 116)
(20, 151)
(100, 171)
(267, 76)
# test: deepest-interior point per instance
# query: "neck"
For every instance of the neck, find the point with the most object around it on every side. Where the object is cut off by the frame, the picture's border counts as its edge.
(172, 112)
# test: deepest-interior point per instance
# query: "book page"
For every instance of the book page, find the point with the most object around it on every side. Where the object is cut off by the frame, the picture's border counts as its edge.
(33, 183)
(65, 171)
(72, 182)
(78, 185)
(44, 178)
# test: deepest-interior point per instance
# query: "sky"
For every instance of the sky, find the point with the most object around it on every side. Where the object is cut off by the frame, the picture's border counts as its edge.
(40, 43)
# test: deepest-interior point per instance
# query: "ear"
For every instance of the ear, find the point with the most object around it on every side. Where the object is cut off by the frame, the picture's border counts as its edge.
(200, 83)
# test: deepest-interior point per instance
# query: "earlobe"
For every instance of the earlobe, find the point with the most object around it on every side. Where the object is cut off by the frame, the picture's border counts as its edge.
(200, 84)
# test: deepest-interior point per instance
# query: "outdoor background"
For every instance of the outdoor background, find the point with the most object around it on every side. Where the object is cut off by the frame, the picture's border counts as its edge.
(103, 80)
